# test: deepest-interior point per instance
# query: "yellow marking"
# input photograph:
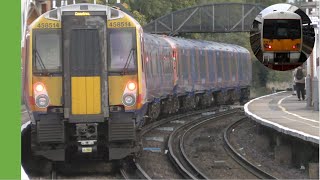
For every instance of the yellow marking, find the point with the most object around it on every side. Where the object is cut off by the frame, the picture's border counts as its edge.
(124, 22)
(82, 14)
(43, 23)
(86, 95)
(282, 44)
(78, 95)
(117, 86)
(93, 95)
(284, 110)
(299, 122)
(53, 86)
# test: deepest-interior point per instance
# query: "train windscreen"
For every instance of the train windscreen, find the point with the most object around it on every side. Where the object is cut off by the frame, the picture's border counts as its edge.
(122, 50)
(47, 51)
(281, 29)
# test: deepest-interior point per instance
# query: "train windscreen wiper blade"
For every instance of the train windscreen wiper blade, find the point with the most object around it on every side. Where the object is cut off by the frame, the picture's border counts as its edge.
(126, 65)
(39, 60)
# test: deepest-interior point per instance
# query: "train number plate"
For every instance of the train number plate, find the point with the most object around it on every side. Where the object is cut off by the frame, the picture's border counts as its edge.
(86, 150)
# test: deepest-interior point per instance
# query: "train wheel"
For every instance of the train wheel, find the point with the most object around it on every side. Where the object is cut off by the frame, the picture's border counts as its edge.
(218, 98)
(176, 104)
(154, 111)
(197, 100)
(186, 103)
(231, 97)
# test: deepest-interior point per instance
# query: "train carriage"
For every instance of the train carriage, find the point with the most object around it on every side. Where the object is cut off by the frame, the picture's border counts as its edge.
(92, 78)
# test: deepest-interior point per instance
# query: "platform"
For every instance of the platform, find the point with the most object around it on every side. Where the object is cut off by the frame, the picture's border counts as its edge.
(283, 112)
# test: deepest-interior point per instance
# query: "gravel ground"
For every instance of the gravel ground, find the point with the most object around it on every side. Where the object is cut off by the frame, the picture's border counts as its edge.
(249, 143)
(157, 164)
(40, 169)
(204, 147)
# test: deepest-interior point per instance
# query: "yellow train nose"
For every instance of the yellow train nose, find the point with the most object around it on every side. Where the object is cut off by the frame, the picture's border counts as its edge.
(86, 95)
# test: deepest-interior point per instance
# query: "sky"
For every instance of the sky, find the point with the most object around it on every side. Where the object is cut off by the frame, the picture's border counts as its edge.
(278, 7)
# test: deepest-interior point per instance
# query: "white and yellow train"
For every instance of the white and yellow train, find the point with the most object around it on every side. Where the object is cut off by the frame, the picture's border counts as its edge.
(92, 77)
(281, 38)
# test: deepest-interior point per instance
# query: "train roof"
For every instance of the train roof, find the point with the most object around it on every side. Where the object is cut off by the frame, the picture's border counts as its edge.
(203, 44)
(281, 15)
(111, 13)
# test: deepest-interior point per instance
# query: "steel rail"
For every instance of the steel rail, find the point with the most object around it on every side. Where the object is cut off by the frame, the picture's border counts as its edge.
(241, 159)
(187, 168)
(133, 171)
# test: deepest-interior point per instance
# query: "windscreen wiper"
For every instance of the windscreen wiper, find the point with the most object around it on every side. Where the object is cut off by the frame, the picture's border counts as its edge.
(39, 60)
(131, 54)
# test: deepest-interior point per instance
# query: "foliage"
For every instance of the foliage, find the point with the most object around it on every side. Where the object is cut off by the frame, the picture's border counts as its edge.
(91, 1)
(147, 10)
(280, 76)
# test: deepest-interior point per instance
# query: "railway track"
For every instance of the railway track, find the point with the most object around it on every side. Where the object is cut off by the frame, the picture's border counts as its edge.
(132, 170)
(177, 150)
(193, 169)
(165, 168)
(135, 170)
(241, 159)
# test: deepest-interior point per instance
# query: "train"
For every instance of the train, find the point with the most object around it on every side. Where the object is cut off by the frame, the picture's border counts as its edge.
(281, 38)
(93, 78)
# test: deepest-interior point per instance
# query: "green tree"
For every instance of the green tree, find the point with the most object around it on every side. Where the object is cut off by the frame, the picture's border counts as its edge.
(147, 10)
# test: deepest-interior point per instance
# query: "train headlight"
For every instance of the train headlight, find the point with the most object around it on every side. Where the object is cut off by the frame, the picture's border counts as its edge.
(297, 46)
(39, 87)
(267, 46)
(128, 100)
(42, 101)
(131, 86)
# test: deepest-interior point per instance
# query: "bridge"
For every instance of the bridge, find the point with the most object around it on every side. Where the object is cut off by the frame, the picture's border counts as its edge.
(208, 18)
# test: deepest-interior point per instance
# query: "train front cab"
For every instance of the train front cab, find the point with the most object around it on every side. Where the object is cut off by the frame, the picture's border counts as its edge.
(281, 38)
(83, 94)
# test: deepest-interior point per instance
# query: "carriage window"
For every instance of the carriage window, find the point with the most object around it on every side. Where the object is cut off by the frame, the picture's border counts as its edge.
(233, 66)
(47, 51)
(219, 66)
(203, 67)
(240, 66)
(195, 61)
(122, 50)
(226, 66)
(211, 66)
(282, 29)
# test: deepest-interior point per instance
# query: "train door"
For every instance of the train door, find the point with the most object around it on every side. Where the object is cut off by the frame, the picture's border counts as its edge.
(84, 66)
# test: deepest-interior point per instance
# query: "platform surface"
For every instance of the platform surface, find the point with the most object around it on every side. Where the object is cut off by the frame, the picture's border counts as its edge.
(283, 112)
